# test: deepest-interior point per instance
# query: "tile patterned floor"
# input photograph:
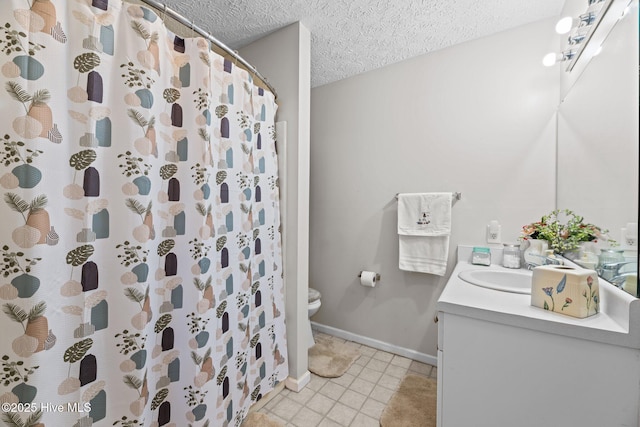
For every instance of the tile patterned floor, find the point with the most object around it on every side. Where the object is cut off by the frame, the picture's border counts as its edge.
(355, 399)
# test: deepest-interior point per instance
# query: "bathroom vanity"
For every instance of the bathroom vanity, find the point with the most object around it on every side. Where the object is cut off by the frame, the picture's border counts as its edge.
(502, 362)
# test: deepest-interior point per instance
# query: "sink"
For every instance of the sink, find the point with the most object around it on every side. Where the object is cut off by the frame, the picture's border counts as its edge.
(516, 281)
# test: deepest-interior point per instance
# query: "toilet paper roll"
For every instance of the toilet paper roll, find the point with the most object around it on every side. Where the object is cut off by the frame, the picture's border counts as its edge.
(368, 278)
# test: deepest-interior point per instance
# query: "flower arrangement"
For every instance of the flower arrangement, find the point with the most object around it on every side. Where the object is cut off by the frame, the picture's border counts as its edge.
(564, 236)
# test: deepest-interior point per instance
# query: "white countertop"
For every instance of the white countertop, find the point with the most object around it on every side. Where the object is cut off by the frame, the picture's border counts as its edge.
(618, 322)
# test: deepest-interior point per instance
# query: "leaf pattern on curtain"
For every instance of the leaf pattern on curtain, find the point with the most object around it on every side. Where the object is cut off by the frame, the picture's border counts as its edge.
(141, 247)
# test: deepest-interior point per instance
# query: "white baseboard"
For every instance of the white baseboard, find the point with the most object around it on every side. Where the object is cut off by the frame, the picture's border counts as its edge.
(297, 384)
(379, 345)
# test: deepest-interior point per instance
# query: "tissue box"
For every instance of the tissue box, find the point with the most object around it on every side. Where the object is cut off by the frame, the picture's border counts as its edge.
(566, 290)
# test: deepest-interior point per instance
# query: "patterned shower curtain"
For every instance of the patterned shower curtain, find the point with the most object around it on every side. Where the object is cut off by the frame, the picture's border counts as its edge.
(141, 252)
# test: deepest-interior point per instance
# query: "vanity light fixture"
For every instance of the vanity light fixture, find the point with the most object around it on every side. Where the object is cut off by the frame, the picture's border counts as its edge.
(553, 58)
(567, 23)
(580, 30)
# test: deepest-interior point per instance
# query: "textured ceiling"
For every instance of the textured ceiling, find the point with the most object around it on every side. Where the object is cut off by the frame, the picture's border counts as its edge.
(349, 37)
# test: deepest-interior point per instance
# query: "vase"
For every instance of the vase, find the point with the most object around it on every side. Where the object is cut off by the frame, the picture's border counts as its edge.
(535, 253)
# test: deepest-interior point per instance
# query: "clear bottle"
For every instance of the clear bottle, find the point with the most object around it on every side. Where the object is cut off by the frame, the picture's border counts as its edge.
(511, 255)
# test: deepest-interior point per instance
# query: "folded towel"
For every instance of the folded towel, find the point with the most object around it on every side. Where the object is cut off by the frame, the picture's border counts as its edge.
(424, 227)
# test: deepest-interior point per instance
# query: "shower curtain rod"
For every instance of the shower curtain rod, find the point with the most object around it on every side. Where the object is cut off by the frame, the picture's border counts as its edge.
(189, 23)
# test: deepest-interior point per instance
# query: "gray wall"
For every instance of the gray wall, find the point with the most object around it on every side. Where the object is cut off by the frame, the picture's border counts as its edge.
(478, 118)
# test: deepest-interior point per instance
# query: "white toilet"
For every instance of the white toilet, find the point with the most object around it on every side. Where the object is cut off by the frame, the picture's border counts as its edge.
(314, 306)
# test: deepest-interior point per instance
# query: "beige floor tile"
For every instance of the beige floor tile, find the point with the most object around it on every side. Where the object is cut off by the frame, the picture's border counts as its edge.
(274, 401)
(383, 355)
(316, 382)
(367, 351)
(306, 418)
(332, 390)
(345, 380)
(286, 409)
(321, 404)
(362, 420)
(342, 414)
(401, 361)
(381, 394)
(370, 375)
(356, 399)
(302, 396)
(355, 369)
(362, 360)
(388, 381)
(362, 386)
(377, 365)
(396, 371)
(353, 399)
(420, 368)
(326, 422)
(372, 408)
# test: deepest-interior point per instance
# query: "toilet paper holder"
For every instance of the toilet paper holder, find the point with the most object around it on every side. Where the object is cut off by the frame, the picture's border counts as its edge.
(377, 276)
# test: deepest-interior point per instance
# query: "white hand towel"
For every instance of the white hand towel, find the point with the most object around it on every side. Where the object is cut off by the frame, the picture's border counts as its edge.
(424, 227)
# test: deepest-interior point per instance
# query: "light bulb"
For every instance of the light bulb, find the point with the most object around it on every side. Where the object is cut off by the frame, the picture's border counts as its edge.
(549, 59)
(564, 25)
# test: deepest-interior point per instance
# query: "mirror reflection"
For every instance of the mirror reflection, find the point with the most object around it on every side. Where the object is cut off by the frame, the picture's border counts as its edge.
(597, 131)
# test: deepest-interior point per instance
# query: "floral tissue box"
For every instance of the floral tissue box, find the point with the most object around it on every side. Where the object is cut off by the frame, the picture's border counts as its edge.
(566, 290)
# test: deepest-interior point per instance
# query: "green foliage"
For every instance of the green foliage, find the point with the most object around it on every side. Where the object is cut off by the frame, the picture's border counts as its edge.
(131, 254)
(255, 393)
(221, 309)
(254, 340)
(86, 62)
(12, 42)
(221, 375)
(15, 313)
(202, 100)
(137, 117)
(135, 206)
(17, 92)
(130, 342)
(159, 398)
(133, 165)
(162, 323)
(200, 174)
(221, 111)
(13, 154)
(79, 255)
(136, 77)
(10, 262)
(15, 371)
(564, 230)
(168, 170)
(134, 294)
(77, 351)
(220, 243)
(165, 247)
(82, 159)
(132, 381)
(171, 95)
(16, 203)
(220, 177)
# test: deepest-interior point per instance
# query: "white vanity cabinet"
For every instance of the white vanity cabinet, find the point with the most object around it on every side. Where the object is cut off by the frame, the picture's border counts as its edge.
(503, 363)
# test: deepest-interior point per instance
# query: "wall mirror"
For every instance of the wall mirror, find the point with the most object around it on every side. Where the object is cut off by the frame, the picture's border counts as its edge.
(597, 137)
